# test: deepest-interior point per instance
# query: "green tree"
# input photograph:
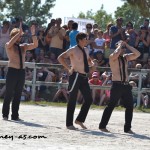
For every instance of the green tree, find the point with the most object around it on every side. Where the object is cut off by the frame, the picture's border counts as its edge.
(81, 15)
(128, 12)
(100, 17)
(143, 5)
(28, 9)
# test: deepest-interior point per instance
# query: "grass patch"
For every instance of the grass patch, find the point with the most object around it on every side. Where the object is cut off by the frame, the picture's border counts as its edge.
(60, 104)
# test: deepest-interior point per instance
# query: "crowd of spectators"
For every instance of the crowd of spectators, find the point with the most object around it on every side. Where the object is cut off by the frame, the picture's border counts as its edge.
(55, 39)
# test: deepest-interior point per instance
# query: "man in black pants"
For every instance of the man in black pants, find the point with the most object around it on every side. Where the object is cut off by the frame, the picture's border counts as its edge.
(16, 73)
(78, 79)
(120, 88)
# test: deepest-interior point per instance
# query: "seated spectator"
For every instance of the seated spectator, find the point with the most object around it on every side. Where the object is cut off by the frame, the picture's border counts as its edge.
(40, 57)
(147, 81)
(62, 92)
(26, 93)
(100, 41)
(28, 74)
(147, 65)
(145, 99)
(43, 75)
(105, 94)
(100, 58)
(52, 58)
(95, 92)
(135, 76)
(2, 90)
(29, 57)
(135, 94)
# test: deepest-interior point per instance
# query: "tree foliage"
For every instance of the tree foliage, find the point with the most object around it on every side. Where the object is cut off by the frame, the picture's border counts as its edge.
(128, 12)
(100, 17)
(143, 5)
(28, 9)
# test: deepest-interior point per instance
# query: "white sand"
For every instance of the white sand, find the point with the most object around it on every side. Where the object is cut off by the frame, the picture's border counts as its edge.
(50, 122)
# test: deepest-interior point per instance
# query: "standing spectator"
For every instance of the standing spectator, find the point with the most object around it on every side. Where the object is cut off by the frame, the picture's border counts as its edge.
(90, 36)
(117, 33)
(73, 33)
(4, 38)
(131, 34)
(47, 36)
(41, 42)
(95, 26)
(16, 73)
(57, 33)
(106, 35)
(142, 44)
(146, 23)
(100, 41)
(70, 22)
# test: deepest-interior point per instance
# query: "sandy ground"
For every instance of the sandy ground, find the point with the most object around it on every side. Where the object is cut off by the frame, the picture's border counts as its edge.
(44, 128)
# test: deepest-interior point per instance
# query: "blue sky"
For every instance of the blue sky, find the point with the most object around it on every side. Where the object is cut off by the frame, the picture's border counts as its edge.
(69, 8)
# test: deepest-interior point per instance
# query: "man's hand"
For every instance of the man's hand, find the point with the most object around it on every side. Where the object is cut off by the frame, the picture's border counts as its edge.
(71, 70)
(20, 27)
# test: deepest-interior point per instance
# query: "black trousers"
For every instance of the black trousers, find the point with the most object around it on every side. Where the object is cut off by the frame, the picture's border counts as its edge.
(14, 85)
(82, 85)
(125, 93)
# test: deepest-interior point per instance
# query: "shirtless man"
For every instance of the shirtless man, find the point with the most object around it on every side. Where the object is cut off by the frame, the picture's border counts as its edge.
(16, 73)
(120, 88)
(78, 80)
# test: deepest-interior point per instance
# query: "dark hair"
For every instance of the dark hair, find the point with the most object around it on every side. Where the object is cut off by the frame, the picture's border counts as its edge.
(129, 23)
(74, 25)
(89, 24)
(147, 19)
(5, 22)
(142, 27)
(80, 36)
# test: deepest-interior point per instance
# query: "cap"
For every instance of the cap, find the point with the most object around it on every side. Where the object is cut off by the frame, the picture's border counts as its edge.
(95, 74)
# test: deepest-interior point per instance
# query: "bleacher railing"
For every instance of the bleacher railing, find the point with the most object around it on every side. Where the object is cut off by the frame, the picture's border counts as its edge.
(35, 83)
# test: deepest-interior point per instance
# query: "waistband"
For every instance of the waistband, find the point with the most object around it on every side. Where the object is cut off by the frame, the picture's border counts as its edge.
(82, 74)
(121, 82)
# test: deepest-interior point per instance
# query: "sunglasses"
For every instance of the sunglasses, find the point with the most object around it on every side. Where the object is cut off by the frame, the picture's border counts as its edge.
(88, 27)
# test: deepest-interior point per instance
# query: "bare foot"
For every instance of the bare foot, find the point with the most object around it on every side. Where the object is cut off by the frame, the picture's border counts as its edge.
(81, 124)
(71, 128)
(104, 130)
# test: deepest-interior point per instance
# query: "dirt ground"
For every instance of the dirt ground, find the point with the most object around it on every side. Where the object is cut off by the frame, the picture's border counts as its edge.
(44, 128)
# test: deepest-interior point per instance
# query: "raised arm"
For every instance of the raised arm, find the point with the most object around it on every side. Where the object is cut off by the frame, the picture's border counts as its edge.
(15, 38)
(33, 45)
(118, 51)
(134, 53)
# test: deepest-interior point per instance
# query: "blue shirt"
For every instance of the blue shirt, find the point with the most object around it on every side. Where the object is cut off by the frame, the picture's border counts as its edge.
(114, 40)
(72, 37)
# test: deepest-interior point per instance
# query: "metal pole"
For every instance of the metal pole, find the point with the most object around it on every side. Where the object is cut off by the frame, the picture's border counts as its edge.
(139, 90)
(33, 84)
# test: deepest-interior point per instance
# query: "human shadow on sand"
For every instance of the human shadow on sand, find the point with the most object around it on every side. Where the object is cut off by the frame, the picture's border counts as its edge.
(139, 136)
(135, 135)
(96, 133)
(29, 124)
